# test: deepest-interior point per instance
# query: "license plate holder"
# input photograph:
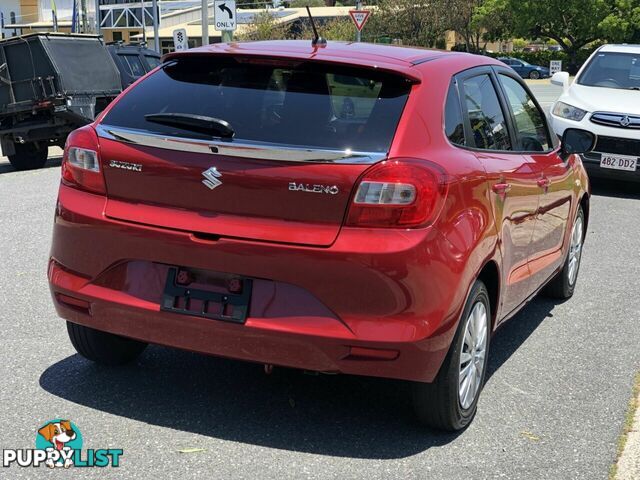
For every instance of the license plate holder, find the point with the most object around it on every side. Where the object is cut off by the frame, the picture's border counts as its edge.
(619, 162)
(175, 295)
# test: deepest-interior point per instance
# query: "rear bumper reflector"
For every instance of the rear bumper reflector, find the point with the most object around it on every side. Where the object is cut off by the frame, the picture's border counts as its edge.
(362, 353)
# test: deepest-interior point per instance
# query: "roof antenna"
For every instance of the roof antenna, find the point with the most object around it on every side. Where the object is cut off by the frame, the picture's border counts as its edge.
(317, 39)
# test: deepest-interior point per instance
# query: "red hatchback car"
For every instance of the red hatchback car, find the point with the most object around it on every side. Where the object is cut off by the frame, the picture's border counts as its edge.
(354, 208)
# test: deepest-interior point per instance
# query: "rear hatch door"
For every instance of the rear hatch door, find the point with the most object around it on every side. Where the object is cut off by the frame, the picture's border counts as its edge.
(303, 133)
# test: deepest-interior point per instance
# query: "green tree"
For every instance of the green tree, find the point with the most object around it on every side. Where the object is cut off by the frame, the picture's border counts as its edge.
(519, 43)
(574, 24)
(479, 21)
(494, 18)
(623, 22)
(306, 3)
(339, 29)
(265, 27)
(414, 22)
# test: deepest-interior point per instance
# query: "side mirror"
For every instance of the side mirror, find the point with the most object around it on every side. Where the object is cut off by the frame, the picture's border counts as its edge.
(577, 141)
(561, 79)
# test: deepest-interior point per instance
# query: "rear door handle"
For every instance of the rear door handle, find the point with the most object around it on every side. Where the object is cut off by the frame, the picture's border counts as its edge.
(501, 188)
(543, 182)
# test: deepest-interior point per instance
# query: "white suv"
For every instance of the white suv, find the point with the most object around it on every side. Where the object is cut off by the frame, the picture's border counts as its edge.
(605, 99)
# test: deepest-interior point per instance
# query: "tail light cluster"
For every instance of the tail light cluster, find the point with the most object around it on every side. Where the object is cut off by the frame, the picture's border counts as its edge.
(81, 161)
(398, 193)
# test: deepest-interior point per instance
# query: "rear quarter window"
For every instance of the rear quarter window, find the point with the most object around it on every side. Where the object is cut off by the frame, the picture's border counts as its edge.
(309, 104)
(453, 124)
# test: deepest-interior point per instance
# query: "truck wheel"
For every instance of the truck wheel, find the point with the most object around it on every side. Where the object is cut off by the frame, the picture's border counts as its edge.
(29, 156)
(450, 402)
(102, 347)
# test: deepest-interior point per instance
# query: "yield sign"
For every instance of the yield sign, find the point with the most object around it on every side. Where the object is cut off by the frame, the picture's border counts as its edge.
(359, 17)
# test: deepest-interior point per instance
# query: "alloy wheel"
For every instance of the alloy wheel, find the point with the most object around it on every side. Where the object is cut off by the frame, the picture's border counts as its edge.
(575, 250)
(472, 355)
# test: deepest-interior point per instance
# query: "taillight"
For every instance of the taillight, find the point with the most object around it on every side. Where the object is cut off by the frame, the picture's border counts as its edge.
(81, 161)
(398, 193)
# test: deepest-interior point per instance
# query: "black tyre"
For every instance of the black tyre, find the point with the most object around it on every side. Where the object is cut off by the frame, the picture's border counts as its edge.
(534, 75)
(102, 347)
(564, 283)
(29, 156)
(450, 402)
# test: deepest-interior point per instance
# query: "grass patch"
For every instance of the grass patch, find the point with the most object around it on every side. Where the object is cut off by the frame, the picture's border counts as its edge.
(628, 424)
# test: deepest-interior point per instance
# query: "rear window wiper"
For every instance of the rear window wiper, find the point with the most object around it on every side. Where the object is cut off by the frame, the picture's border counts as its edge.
(195, 123)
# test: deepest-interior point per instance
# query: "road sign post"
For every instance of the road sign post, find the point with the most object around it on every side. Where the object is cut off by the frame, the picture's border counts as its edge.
(224, 14)
(555, 66)
(204, 22)
(359, 18)
(156, 26)
(180, 40)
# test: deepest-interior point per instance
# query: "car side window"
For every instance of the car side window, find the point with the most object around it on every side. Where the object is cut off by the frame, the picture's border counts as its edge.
(453, 125)
(134, 64)
(486, 117)
(531, 128)
(152, 61)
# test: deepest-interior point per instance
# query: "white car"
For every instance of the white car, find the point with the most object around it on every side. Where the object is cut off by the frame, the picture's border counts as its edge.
(605, 100)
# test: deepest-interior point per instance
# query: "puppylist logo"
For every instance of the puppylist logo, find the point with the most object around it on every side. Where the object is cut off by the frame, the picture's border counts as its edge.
(59, 444)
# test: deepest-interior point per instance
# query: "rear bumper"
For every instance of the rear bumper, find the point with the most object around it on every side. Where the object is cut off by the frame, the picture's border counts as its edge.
(397, 292)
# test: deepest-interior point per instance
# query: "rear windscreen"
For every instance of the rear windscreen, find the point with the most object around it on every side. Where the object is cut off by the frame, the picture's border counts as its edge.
(308, 104)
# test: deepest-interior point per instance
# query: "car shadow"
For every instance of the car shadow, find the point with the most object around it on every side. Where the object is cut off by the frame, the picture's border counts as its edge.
(515, 331)
(611, 188)
(337, 415)
(51, 163)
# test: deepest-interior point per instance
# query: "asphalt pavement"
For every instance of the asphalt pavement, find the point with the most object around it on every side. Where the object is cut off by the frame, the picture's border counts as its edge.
(560, 378)
(545, 93)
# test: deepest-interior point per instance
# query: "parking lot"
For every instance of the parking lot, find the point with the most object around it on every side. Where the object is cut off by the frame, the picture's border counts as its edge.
(553, 407)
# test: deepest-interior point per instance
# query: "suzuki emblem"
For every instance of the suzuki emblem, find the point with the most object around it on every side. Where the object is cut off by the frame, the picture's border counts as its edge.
(211, 178)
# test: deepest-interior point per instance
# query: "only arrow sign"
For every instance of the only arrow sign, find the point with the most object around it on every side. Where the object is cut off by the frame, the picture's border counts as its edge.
(224, 12)
(224, 8)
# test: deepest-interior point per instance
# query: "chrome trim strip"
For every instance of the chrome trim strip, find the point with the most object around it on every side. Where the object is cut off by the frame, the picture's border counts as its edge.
(237, 148)
(611, 119)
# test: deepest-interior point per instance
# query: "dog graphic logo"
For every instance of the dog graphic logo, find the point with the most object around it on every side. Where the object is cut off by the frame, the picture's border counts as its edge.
(59, 444)
(60, 435)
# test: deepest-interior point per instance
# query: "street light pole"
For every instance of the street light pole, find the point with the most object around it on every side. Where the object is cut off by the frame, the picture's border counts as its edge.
(97, 2)
(205, 22)
(156, 33)
(85, 23)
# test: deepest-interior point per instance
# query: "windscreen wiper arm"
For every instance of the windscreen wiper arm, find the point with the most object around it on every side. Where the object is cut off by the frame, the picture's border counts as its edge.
(195, 123)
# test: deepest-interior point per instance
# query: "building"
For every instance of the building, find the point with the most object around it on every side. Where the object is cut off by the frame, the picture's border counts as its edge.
(10, 12)
(36, 16)
(132, 20)
(191, 20)
(119, 20)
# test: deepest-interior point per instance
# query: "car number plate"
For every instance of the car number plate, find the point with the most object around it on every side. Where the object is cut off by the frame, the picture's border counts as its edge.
(619, 162)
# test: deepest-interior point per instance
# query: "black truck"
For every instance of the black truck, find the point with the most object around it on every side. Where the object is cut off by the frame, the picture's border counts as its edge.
(51, 84)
